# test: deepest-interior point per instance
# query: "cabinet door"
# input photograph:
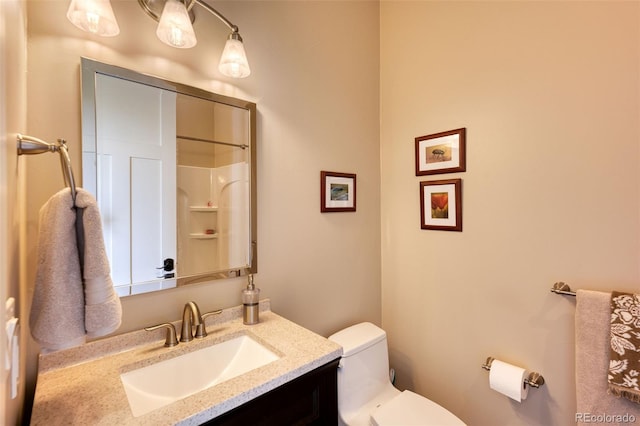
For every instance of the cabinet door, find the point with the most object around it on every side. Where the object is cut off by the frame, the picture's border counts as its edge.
(311, 399)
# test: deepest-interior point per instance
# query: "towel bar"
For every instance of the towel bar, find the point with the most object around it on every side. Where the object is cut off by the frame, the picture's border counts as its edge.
(562, 288)
(534, 380)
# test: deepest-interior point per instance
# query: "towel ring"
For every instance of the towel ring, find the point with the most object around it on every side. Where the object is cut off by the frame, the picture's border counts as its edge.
(30, 145)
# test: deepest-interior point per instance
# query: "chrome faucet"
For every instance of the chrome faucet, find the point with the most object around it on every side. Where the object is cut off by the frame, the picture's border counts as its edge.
(191, 317)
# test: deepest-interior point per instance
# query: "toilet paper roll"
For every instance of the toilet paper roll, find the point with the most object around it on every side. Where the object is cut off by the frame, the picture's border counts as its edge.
(508, 380)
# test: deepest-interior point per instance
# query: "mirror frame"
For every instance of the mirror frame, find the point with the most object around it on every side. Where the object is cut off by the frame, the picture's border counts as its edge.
(89, 69)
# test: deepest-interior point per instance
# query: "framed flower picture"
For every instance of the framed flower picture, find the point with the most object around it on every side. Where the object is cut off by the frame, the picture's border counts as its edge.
(441, 205)
(442, 152)
(337, 192)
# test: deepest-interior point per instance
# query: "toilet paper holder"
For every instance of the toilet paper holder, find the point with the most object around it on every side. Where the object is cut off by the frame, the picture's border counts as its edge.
(535, 380)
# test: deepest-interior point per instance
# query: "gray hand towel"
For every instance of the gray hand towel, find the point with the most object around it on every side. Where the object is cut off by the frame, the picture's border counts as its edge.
(57, 310)
(103, 312)
(65, 307)
(595, 404)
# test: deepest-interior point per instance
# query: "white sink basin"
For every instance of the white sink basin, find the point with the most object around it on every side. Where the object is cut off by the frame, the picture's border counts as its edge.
(160, 384)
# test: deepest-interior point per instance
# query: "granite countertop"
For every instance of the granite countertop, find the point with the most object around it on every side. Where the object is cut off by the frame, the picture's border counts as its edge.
(82, 385)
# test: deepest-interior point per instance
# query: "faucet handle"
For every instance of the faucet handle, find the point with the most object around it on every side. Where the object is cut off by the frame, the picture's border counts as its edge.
(210, 314)
(201, 329)
(171, 339)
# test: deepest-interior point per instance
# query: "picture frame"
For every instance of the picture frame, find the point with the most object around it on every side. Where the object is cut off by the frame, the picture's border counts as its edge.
(337, 192)
(441, 205)
(443, 152)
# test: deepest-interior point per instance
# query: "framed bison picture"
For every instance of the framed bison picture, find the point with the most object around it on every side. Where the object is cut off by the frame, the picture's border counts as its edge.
(442, 152)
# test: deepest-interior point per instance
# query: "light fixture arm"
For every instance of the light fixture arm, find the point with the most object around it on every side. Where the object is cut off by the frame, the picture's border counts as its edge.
(220, 16)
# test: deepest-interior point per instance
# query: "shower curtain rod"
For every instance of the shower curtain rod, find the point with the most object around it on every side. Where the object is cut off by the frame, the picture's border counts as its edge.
(189, 138)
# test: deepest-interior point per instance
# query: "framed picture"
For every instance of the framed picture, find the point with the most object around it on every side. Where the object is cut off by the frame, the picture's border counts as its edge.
(337, 192)
(441, 153)
(441, 205)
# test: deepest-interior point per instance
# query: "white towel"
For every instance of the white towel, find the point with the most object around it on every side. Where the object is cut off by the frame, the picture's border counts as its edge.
(67, 308)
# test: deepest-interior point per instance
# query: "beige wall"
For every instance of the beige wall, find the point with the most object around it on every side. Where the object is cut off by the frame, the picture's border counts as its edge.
(314, 113)
(549, 93)
(13, 115)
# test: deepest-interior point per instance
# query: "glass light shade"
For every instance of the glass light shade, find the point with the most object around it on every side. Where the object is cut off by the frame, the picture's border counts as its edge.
(93, 16)
(233, 62)
(175, 27)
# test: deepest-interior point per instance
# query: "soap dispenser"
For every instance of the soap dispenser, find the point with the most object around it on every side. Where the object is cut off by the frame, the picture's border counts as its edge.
(250, 303)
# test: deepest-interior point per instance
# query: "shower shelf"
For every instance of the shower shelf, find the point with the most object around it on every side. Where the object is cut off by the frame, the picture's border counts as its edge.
(203, 209)
(201, 236)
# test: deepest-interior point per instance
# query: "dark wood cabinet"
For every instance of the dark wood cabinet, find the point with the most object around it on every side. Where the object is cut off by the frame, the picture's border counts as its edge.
(311, 399)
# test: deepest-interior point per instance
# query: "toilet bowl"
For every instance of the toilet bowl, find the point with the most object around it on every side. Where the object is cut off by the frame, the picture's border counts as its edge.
(365, 393)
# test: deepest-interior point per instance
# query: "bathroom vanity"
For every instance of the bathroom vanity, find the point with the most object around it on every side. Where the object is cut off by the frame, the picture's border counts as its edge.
(85, 385)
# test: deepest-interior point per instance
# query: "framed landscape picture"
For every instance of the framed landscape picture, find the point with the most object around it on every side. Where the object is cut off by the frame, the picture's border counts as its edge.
(337, 192)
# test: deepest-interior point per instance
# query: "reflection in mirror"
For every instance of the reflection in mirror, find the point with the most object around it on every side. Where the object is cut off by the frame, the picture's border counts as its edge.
(173, 170)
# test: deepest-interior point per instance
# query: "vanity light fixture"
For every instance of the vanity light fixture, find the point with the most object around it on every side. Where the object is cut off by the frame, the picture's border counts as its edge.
(93, 16)
(175, 30)
(175, 19)
(174, 26)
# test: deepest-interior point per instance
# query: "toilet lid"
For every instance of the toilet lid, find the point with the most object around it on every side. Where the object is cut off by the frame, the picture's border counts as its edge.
(411, 409)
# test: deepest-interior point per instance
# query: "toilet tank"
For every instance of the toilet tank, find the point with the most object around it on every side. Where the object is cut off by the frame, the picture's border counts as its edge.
(364, 368)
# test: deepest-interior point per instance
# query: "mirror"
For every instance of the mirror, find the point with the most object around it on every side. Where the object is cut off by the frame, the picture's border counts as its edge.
(173, 169)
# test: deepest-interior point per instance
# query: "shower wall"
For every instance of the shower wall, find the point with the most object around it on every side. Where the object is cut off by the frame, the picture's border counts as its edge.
(213, 217)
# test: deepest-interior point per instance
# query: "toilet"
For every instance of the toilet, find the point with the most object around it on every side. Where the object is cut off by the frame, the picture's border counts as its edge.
(365, 393)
